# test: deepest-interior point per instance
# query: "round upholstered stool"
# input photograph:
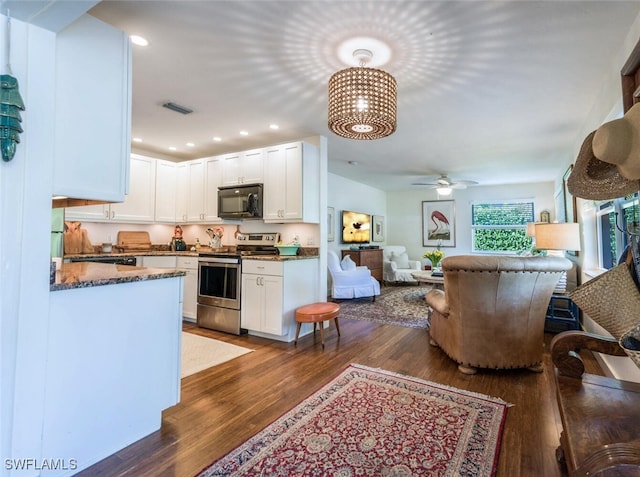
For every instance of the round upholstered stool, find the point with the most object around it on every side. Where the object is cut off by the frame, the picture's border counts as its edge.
(317, 313)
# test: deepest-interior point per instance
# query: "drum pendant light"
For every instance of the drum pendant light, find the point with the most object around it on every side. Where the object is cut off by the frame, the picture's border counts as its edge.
(362, 101)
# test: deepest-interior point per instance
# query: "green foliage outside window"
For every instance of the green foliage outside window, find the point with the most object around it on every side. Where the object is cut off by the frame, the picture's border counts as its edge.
(501, 227)
(501, 240)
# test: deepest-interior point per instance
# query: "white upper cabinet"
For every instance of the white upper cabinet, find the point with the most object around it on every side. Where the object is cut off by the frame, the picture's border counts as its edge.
(92, 111)
(195, 191)
(139, 203)
(182, 187)
(212, 180)
(291, 185)
(165, 191)
(243, 168)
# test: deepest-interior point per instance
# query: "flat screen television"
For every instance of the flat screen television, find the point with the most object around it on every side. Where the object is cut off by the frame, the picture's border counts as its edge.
(356, 227)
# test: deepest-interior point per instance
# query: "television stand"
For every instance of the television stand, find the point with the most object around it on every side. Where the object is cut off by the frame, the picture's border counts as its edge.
(368, 257)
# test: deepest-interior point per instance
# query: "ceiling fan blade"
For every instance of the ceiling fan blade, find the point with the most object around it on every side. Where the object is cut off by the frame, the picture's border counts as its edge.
(430, 185)
(465, 183)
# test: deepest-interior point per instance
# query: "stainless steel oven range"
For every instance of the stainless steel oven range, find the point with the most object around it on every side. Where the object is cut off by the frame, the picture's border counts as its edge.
(220, 279)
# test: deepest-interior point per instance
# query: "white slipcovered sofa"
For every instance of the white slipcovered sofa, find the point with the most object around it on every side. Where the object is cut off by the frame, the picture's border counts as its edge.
(349, 281)
(396, 264)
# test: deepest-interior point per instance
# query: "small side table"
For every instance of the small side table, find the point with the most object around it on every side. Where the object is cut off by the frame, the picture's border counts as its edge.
(562, 315)
(424, 276)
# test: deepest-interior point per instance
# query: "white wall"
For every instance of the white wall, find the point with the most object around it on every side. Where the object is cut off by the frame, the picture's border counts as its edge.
(25, 200)
(345, 194)
(404, 212)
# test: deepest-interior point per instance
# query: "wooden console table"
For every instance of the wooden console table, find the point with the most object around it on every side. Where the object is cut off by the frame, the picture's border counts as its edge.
(368, 257)
(600, 415)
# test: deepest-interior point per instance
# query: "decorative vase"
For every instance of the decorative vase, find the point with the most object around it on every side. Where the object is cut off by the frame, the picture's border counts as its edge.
(435, 266)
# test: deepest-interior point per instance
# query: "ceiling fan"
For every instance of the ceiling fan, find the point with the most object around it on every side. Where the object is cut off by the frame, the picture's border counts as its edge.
(444, 184)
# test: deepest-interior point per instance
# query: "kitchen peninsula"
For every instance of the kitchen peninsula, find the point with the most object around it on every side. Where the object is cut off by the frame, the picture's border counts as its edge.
(113, 357)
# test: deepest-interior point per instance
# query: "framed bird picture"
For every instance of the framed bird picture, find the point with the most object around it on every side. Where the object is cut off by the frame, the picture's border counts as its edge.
(438, 223)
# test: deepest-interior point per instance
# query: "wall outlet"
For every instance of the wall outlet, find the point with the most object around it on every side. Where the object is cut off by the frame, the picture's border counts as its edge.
(310, 241)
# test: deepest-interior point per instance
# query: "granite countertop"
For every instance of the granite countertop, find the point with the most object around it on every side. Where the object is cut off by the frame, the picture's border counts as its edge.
(93, 274)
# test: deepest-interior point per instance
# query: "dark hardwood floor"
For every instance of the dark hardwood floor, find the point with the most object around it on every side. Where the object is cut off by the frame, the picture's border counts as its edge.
(223, 406)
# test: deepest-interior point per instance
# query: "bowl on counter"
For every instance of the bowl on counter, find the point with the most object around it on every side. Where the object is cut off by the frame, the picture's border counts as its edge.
(288, 250)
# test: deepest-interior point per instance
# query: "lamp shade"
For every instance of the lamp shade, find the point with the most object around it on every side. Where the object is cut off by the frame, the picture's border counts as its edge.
(565, 236)
(531, 228)
(362, 103)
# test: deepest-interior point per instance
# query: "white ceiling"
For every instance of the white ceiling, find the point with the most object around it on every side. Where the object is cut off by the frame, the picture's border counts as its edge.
(494, 92)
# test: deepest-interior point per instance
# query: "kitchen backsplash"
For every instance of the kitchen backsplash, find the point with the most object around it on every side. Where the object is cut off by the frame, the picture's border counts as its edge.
(98, 233)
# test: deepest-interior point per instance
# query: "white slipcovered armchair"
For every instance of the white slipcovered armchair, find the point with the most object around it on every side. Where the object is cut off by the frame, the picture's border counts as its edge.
(396, 264)
(354, 282)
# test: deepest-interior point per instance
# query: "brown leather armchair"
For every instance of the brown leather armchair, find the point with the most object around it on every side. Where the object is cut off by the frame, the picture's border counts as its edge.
(491, 313)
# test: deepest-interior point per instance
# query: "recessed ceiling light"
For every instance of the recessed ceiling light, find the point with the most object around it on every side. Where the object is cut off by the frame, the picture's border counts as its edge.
(137, 139)
(173, 148)
(190, 144)
(274, 126)
(353, 163)
(217, 139)
(138, 40)
(244, 133)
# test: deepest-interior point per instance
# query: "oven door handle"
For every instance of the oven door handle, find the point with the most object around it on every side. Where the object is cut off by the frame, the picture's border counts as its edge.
(211, 262)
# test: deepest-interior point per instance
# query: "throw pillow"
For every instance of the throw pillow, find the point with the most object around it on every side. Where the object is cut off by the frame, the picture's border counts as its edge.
(401, 260)
(347, 264)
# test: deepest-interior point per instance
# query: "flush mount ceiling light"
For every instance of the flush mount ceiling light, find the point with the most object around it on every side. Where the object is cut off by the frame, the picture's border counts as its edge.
(362, 101)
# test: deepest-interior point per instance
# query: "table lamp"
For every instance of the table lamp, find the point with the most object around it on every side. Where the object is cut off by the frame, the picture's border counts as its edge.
(557, 238)
(531, 232)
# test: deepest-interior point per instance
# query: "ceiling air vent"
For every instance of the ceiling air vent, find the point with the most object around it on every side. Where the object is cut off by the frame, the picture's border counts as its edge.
(177, 108)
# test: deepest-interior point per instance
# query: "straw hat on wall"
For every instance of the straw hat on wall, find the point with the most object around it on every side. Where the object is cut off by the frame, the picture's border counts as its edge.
(618, 142)
(592, 178)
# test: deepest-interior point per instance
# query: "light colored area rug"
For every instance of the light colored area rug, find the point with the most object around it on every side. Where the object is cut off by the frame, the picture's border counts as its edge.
(400, 306)
(200, 353)
(371, 422)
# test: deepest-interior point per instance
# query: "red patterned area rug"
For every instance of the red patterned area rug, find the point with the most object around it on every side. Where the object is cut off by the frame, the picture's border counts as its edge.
(371, 422)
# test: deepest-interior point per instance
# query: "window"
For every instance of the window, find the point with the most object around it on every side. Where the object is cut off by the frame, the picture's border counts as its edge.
(501, 227)
(614, 216)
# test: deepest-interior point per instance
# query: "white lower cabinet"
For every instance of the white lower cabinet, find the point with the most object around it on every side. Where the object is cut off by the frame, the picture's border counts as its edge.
(271, 291)
(190, 291)
(262, 300)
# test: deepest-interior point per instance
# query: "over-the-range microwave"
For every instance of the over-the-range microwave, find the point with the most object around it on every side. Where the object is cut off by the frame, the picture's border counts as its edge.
(240, 202)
